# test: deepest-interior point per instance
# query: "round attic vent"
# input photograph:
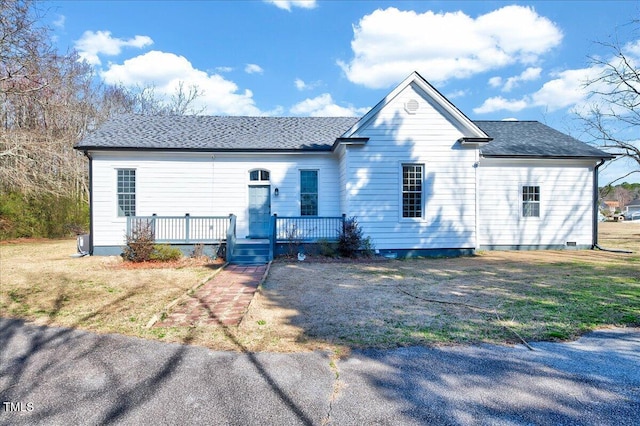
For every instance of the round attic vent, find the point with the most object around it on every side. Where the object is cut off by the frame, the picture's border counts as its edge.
(411, 106)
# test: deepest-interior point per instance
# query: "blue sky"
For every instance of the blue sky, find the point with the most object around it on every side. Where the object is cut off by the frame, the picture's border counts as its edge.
(494, 60)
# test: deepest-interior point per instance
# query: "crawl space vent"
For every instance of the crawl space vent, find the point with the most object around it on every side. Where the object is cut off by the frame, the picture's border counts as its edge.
(411, 106)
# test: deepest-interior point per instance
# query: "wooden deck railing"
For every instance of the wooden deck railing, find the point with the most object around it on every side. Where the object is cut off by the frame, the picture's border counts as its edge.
(307, 228)
(185, 229)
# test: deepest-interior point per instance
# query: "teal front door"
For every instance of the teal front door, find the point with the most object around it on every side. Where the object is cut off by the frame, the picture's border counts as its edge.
(259, 210)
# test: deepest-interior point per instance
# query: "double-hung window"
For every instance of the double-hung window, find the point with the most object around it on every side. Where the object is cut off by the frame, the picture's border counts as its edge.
(412, 178)
(126, 192)
(308, 193)
(530, 201)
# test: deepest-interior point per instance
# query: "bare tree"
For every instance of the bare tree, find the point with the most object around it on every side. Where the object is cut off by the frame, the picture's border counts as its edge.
(48, 102)
(183, 100)
(22, 42)
(613, 119)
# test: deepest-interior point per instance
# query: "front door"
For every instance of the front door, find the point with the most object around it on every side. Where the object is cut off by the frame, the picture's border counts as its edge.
(259, 210)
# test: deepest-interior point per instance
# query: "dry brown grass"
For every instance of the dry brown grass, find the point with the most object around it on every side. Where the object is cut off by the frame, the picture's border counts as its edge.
(307, 305)
(39, 281)
(540, 295)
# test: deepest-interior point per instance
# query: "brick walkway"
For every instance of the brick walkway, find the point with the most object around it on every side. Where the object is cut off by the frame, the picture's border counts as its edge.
(223, 300)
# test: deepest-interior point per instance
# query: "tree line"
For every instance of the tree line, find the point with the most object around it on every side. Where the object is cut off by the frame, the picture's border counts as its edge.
(623, 193)
(48, 102)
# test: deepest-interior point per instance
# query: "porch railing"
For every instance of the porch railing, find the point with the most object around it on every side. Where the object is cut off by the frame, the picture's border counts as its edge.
(307, 228)
(185, 229)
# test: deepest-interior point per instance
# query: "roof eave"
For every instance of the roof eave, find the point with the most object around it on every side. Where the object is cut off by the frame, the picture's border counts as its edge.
(550, 157)
(474, 141)
(360, 141)
(221, 150)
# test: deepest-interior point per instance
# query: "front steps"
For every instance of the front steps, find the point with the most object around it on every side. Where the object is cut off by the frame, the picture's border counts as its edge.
(250, 252)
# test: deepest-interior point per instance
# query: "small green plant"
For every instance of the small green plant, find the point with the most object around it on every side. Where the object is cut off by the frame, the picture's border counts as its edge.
(261, 322)
(367, 247)
(327, 248)
(165, 253)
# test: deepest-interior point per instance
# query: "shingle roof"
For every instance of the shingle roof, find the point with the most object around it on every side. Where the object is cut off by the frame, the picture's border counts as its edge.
(130, 131)
(533, 139)
(213, 133)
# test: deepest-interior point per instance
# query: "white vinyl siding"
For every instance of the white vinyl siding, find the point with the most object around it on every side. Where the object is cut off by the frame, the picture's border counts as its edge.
(373, 178)
(565, 208)
(200, 184)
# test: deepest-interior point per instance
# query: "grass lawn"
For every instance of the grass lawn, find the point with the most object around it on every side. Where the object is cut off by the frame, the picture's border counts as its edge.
(492, 297)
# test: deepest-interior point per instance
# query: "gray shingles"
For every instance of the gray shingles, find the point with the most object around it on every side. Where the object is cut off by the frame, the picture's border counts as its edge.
(510, 138)
(533, 139)
(218, 133)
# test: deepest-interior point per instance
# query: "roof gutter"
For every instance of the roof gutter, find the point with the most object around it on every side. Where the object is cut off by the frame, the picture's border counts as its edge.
(324, 148)
(596, 196)
(547, 157)
(86, 153)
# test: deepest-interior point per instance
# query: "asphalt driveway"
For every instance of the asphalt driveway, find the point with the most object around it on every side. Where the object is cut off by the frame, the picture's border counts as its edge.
(63, 376)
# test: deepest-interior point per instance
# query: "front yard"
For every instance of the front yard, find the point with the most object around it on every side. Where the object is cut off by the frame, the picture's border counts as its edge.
(498, 297)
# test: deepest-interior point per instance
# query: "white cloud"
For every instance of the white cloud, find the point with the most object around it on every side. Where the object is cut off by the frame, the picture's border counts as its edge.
(302, 85)
(324, 106)
(389, 44)
(288, 4)
(457, 94)
(253, 69)
(529, 74)
(165, 71)
(495, 81)
(499, 103)
(92, 44)
(224, 69)
(565, 89)
(60, 21)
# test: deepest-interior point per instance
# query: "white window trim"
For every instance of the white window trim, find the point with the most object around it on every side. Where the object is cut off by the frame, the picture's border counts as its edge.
(521, 202)
(258, 182)
(117, 193)
(401, 218)
(300, 191)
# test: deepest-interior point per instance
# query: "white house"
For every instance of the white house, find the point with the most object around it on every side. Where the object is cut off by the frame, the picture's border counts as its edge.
(419, 175)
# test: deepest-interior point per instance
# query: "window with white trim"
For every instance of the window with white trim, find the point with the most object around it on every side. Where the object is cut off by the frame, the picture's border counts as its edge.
(126, 192)
(412, 178)
(259, 175)
(308, 193)
(530, 201)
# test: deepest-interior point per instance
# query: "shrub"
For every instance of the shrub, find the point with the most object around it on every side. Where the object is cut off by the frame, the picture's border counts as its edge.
(327, 248)
(351, 241)
(367, 247)
(198, 250)
(165, 253)
(140, 244)
(41, 215)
